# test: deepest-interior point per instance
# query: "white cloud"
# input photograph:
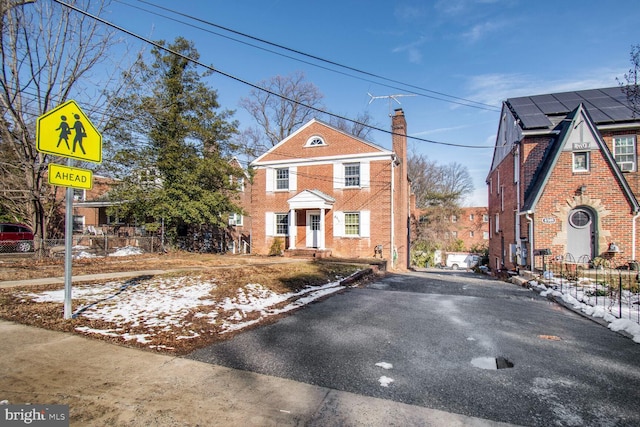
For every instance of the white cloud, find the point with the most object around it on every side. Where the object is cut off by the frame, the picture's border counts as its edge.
(495, 88)
(480, 31)
(412, 49)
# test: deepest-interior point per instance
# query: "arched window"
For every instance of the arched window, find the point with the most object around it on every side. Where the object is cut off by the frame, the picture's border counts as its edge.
(315, 141)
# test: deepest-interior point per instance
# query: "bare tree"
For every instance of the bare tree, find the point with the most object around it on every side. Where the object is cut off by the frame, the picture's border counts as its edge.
(438, 185)
(277, 116)
(48, 53)
(360, 127)
(439, 190)
(630, 86)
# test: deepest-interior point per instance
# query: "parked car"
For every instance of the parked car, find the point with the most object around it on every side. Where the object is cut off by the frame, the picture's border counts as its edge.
(461, 260)
(15, 238)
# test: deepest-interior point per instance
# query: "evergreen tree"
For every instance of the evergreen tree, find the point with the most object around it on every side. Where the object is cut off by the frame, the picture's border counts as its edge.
(170, 146)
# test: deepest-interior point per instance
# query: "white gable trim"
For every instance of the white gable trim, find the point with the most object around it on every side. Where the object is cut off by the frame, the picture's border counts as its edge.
(306, 125)
(311, 199)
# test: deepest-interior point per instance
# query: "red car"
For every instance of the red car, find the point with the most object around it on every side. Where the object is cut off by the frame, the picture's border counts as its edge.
(15, 238)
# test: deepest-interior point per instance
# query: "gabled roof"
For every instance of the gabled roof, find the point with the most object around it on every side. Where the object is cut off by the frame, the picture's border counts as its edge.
(606, 105)
(315, 122)
(309, 199)
(548, 163)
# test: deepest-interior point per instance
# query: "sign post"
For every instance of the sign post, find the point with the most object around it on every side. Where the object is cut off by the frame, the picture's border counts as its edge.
(53, 132)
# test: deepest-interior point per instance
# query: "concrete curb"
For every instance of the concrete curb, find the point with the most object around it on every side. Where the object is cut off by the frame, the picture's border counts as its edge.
(525, 282)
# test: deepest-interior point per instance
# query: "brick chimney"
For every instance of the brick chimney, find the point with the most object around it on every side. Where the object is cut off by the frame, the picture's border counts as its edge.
(401, 194)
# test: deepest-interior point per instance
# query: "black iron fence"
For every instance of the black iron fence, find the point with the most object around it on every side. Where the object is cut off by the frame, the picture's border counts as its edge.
(607, 285)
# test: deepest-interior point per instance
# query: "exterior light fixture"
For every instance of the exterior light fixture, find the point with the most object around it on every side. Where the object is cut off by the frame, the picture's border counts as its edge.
(613, 248)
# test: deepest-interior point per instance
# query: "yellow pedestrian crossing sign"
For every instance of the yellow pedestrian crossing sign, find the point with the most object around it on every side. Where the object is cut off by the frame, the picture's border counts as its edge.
(66, 131)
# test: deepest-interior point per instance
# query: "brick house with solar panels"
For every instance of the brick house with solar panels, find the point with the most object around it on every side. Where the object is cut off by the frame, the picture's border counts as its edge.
(323, 192)
(564, 180)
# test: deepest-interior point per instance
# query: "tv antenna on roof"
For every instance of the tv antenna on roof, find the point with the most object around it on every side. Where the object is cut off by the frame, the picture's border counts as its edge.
(389, 97)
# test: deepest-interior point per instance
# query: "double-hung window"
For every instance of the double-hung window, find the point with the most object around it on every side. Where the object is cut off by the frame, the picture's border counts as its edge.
(624, 151)
(282, 224)
(352, 175)
(282, 179)
(352, 223)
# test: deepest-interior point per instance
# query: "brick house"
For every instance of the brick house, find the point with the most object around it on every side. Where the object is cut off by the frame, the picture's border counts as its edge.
(239, 230)
(90, 207)
(564, 178)
(326, 192)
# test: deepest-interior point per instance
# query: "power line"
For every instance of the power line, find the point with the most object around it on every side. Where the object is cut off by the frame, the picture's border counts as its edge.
(239, 80)
(459, 100)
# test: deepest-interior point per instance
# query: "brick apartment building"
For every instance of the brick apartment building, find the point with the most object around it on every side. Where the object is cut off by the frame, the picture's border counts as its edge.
(564, 178)
(326, 192)
(471, 226)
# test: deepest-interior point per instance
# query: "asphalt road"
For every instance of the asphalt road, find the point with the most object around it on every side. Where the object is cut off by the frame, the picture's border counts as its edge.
(441, 331)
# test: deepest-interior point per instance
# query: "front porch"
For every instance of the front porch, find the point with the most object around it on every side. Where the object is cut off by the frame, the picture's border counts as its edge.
(307, 228)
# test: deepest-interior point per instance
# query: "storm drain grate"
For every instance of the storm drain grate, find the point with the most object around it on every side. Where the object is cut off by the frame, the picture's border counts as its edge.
(492, 363)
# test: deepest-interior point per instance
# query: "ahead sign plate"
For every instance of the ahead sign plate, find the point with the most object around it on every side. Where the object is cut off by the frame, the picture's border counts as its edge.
(65, 176)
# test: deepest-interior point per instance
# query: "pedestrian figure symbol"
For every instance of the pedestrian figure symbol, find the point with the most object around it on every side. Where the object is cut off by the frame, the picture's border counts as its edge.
(80, 133)
(67, 131)
(64, 132)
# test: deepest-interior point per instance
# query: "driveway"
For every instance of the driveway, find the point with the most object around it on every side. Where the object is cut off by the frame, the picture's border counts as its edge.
(435, 339)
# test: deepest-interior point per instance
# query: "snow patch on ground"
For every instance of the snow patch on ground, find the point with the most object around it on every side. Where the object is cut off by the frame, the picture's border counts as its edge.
(585, 303)
(169, 305)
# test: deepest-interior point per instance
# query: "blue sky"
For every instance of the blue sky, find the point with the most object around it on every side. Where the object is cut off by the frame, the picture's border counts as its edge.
(481, 50)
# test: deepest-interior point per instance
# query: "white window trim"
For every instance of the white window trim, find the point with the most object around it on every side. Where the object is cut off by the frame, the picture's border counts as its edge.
(573, 161)
(624, 165)
(271, 179)
(314, 138)
(339, 178)
(339, 225)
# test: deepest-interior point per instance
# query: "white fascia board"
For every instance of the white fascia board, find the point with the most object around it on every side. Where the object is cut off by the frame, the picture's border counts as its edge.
(326, 160)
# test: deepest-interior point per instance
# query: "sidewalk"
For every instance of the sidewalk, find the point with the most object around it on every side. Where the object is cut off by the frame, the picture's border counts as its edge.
(82, 278)
(108, 384)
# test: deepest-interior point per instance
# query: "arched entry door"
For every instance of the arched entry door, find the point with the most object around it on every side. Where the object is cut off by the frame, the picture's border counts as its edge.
(581, 233)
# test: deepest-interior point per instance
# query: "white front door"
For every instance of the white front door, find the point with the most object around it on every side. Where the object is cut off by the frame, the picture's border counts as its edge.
(313, 229)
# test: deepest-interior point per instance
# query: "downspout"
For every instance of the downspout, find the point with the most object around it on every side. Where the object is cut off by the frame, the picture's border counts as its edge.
(519, 258)
(633, 236)
(531, 245)
(393, 189)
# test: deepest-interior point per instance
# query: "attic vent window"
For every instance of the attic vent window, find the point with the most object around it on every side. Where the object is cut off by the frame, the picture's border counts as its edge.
(315, 141)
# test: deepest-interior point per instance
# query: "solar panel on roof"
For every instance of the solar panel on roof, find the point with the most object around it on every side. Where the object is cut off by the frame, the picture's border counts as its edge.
(604, 105)
(532, 121)
(520, 101)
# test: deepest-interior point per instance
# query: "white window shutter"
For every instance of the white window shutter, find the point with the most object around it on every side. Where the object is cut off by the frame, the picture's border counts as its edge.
(364, 174)
(269, 227)
(270, 179)
(338, 224)
(293, 178)
(365, 223)
(338, 175)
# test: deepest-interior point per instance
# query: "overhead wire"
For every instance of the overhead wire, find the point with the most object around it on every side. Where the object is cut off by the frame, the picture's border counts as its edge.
(255, 86)
(454, 99)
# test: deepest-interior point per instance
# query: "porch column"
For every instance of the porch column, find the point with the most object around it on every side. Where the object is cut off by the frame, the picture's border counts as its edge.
(322, 231)
(292, 229)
